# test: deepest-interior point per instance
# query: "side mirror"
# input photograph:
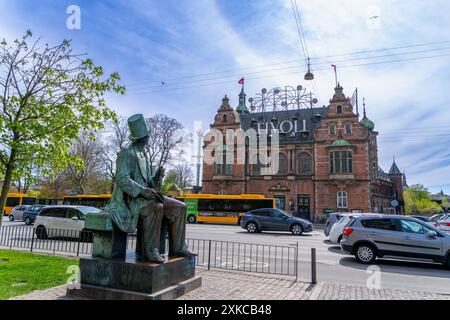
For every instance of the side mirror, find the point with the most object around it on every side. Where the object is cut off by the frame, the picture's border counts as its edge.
(431, 234)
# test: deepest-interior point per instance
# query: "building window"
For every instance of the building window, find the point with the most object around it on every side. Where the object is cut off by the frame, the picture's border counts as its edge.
(342, 199)
(256, 169)
(283, 164)
(339, 109)
(331, 129)
(224, 118)
(348, 128)
(223, 169)
(341, 162)
(303, 163)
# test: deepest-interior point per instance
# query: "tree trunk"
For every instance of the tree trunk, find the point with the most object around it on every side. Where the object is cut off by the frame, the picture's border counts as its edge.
(7, 182)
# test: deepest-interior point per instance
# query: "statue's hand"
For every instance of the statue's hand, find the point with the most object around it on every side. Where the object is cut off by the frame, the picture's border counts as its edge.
(148, 193)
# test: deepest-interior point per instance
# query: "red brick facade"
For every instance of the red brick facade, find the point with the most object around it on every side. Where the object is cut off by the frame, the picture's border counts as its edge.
(332, 165)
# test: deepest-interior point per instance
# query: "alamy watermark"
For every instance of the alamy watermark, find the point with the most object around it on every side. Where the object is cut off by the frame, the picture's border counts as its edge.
(374, 279)
(73, 21)
(243, 147)
(74, 280)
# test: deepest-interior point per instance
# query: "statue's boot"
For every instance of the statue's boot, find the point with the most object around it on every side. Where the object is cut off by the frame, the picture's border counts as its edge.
(185, 252)
(154, 256)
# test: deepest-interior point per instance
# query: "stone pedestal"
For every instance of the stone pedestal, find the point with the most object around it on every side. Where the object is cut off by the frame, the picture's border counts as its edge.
(133, 279)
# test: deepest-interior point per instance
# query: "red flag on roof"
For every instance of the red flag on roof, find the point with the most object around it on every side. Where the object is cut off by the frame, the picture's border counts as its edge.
(241, 81)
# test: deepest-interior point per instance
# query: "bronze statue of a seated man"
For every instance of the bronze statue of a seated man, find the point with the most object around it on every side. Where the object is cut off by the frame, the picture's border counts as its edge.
(136, 204)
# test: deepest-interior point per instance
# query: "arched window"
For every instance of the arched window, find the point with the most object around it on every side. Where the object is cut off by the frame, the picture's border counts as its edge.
(283, 168)
(303, 163)
(339, 109)
(342, 199)
(224, 118)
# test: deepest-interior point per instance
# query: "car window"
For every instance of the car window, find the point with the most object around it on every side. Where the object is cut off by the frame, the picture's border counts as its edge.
(56, 212)
(385, 224)
(276, 214)
(73, 213)
(413, 227)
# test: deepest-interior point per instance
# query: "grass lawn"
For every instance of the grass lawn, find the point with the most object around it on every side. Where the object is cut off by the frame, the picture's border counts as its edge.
(22, 272)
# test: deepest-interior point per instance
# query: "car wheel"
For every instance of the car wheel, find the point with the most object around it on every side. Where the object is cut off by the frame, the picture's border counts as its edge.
(28, 221)
(11, 217)
(296, 229)
(41, 232)
(447, 264)
(365, 254)
(252, 227)
(191, 219)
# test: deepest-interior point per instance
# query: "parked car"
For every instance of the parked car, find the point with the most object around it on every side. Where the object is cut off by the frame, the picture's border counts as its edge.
(332, 218)
(337, 230)
(29, 215)
(437, 217)
(444, 223)
(17, 212)
(371, 237)
(63, 221)
(425, 219)
(274, 220)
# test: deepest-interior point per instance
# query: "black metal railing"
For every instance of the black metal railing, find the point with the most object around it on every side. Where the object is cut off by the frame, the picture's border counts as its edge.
(238, 256)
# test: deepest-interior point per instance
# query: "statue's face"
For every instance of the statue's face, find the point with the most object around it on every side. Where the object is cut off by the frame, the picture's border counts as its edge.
(141, 142)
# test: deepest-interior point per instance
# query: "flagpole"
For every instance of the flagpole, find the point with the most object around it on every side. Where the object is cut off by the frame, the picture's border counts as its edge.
(357, 112)
(335, 75)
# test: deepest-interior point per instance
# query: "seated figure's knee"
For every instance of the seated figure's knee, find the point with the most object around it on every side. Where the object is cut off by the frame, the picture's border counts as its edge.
(155, 208)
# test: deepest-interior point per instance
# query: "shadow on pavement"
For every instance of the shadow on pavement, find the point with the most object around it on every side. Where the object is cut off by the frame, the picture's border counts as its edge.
(401, 267)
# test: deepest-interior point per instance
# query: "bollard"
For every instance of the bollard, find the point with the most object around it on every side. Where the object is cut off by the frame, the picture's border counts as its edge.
(313, 266)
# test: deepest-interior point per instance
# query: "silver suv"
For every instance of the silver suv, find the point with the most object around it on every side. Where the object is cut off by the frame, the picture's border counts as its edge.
(369, 237)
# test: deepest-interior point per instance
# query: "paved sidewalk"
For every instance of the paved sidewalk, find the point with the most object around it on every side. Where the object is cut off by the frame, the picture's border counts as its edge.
(232, 285)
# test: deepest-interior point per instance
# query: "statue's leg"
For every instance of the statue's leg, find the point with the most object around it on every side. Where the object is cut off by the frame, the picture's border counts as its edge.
(163, 236)
(139, 239)
(175, 215)
(151, 215)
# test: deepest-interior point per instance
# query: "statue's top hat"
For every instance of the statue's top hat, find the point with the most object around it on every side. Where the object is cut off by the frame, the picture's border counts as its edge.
(138, 127)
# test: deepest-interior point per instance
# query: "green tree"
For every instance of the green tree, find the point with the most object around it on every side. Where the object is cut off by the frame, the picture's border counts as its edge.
(47, 95)
(417, 201)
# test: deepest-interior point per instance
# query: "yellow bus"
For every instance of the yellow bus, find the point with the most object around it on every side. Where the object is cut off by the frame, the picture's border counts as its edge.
(17, 199)
(92, 200)
(226, 209)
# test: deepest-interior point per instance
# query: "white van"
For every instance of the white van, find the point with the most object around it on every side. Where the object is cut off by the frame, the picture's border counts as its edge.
(61, 221)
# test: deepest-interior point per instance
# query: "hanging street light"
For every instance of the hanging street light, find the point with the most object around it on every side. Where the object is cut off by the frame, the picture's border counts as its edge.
(309, 75)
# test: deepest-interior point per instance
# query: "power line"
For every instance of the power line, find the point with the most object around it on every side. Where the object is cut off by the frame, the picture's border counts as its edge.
(290, 67)
(298, 60)
(158, 89)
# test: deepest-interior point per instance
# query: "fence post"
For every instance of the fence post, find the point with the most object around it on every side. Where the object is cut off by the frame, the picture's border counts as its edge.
(296, 263)
(32, 240)
(11, 238)
(313, 266)
(209, 255)
(79, 241)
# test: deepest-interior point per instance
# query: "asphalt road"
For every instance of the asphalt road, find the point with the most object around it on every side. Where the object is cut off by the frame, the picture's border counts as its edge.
(332, 265)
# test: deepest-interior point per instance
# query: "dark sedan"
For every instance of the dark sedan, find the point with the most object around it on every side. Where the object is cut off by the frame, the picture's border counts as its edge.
(31, 213)
(274, 220)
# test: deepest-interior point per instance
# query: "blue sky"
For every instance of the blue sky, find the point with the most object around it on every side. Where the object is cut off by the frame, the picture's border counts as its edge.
(149, 42)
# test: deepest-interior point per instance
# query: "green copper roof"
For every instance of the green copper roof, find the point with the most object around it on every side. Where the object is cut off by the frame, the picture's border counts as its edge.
(341, 143)
(242, 108)
(367, 123)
